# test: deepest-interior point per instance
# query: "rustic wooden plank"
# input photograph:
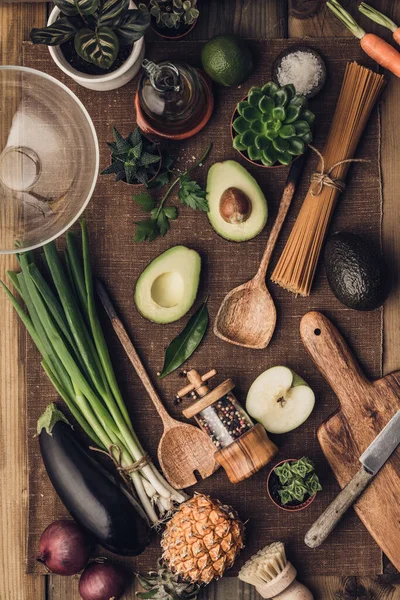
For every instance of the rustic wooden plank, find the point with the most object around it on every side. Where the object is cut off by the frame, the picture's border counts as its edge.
(15, 24)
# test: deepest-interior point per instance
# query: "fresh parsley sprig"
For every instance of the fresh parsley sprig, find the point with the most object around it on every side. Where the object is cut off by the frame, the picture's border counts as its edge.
(190, 194)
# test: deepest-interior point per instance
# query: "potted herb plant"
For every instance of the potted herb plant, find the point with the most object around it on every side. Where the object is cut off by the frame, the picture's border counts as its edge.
(293, 484)
(172, 19)
(272, 125)
(99, 43)
(134, 159)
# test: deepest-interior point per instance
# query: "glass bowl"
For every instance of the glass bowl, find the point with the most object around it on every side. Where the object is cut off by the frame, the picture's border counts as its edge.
(49, 158)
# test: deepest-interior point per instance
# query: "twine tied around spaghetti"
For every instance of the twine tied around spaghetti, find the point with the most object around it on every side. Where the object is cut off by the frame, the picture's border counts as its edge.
(323, 178)
(117, 460)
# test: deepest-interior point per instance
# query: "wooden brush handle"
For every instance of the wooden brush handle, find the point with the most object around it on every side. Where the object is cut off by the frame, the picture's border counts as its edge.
(335, 511)
(132, 354)
(287, 196)
(295, 591)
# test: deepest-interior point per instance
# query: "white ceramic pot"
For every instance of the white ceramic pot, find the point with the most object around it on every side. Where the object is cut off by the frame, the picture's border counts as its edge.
(100, 83)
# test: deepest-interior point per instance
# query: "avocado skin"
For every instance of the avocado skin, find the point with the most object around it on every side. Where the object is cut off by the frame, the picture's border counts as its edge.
(357, 274)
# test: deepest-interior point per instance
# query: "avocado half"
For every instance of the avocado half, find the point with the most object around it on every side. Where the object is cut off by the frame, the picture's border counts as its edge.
(167, 288)
(227, 176)
(356, 272)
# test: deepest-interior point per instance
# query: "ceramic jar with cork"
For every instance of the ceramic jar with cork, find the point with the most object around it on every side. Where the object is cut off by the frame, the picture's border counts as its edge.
(242, 448)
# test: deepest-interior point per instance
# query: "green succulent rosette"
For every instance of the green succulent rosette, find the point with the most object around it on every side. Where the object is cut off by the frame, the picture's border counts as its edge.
(272, 125)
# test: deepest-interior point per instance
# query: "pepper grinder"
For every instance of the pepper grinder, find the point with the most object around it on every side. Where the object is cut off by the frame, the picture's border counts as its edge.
(242, 447)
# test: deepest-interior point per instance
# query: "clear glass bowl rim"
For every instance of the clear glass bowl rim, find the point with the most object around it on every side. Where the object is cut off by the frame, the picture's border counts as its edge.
(19, 68)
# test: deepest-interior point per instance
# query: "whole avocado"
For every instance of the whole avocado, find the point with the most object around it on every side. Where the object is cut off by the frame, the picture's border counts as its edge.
(356, 272)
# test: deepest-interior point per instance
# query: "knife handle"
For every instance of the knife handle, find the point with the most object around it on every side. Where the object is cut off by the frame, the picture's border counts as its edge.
(323, 526)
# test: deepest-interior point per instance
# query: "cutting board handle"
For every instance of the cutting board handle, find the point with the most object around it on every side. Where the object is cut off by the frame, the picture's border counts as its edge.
(332, 356)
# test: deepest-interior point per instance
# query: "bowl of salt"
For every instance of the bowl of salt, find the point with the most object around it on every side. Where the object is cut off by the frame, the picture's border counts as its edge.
(303, 67)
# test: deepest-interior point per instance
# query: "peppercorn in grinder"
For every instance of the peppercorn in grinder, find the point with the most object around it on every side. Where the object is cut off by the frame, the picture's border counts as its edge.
(242, 447)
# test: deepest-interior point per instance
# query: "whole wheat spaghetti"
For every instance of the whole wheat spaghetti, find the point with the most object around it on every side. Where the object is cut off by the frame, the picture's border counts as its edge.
(296, 266)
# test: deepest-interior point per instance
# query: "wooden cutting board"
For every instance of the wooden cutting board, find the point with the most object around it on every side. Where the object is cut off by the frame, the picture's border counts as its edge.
(365, 408)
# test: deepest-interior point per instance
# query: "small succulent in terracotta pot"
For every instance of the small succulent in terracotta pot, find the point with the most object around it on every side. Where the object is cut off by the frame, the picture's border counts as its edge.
(272, 125)
(293, 484)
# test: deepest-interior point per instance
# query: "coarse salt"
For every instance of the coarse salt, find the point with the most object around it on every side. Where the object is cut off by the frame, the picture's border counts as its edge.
(302, 69)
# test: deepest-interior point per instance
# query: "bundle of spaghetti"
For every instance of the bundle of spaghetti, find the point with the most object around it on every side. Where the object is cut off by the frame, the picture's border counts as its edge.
(296, 267)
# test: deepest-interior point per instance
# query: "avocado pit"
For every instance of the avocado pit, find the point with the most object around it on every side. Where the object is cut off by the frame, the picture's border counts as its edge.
(234, 206)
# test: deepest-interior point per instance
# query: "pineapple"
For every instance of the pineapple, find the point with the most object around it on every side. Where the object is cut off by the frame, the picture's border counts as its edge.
(202, 539)
(165, 585)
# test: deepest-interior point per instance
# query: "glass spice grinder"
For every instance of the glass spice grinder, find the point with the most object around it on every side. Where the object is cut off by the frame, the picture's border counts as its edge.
(173, 100)
(242, 448)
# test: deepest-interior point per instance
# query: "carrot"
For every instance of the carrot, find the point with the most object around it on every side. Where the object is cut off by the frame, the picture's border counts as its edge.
(384, 54)
(377, 48)
(381, 19)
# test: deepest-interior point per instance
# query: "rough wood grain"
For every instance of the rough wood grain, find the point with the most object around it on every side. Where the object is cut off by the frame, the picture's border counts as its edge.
(15, 23)
(365, 408)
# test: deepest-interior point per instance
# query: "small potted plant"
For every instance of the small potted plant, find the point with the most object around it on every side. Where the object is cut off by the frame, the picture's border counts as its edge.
(172, 19)
(99, 43)
(134, 159)
(293, 484)
(272, 125)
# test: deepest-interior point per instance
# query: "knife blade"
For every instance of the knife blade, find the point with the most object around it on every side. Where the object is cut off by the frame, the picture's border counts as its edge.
(383, 446)
(372, 459)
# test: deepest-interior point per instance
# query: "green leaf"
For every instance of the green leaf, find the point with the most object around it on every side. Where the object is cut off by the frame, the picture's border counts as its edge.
(248, 138)
(281, 97)
(146, 230)
(98, 47)
(287, 131)
(254, 97)
(292, 113)
(237, 143)
(145, 200)
(251, 114)
(162, 222)
(257, 126)
(270, 88)
(302, 127)
(307, 137)
(132, 26)
(171, 212)
(266, 105)
(58, 33)
(298, 100)
(285, 158)
(254, 153)
(191, 194)
(183, 346)
(280, 144)
(241, 106)
(71, 8)
(111, 10)
(279, 113)
(290, 89)
(261, 142)
(308, 116)
(296, 146)
(269, 156)
(240, 125)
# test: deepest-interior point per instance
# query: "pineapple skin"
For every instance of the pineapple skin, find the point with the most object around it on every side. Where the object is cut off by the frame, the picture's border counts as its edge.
(202, 540)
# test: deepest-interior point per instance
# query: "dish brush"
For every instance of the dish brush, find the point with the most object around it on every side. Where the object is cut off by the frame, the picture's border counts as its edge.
(273, 576)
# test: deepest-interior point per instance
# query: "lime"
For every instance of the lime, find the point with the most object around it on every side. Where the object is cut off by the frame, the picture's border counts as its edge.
(227, 60)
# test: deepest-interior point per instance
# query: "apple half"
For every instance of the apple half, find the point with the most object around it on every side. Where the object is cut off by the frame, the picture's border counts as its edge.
(280, 400)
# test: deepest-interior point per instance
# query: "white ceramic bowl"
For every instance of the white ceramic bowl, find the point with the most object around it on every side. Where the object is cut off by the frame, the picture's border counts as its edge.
(100, 83)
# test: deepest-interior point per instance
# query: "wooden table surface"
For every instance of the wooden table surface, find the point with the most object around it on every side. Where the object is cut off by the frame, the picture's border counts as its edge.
(249, 18)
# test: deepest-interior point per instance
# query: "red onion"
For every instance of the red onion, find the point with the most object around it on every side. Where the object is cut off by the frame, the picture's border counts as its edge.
(102, 581)
(64, 548)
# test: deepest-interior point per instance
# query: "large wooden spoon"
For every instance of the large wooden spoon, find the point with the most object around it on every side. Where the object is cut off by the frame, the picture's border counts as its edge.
(247, 315)
(183, 449)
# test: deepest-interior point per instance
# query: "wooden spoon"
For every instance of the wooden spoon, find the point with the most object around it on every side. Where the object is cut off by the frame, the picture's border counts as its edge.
(183, 448)
(247, 315)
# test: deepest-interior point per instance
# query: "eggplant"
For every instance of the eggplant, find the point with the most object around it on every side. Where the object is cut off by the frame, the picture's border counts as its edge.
(105, 509)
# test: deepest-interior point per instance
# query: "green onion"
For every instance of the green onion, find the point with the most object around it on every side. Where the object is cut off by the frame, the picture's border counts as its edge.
(65, 328)
(346, 18)
(377, 16)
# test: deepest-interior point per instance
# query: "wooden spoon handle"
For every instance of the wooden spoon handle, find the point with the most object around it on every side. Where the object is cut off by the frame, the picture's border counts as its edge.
(286, 199)
(333, 358)
(132, 354)
(335, 511)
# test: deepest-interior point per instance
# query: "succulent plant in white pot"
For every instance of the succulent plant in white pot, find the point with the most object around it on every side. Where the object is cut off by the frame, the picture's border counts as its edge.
(99, 43)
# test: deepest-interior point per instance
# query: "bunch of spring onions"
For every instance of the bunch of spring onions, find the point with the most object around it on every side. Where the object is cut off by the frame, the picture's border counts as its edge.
(62, 320)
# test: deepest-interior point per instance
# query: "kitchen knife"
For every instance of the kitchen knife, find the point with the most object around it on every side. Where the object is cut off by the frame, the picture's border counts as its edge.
(372, 460)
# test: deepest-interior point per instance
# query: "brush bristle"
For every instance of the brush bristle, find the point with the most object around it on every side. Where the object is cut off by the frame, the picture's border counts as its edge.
(264, 566)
